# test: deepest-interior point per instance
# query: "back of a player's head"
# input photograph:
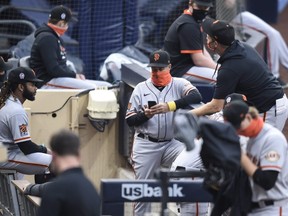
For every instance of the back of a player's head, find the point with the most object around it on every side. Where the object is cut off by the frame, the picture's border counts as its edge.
(65, 143)
(236, 96)
(219, 30)
(235, 112)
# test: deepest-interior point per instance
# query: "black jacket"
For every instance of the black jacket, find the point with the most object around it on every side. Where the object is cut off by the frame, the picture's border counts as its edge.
(48, 55)
(71, 193)
(244, 71)
(221, 154)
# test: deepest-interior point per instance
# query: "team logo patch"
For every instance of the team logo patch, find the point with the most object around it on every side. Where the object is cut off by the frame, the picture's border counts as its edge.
(21, 76)
(23, 130)
(228, 100)
(156, 57)
(272, 156)
(63, 16)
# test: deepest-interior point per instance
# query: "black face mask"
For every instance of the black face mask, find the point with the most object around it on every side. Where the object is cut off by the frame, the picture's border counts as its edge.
(199, 15)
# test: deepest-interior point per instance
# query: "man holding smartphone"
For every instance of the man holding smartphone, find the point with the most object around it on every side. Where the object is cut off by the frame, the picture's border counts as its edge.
(151, 111)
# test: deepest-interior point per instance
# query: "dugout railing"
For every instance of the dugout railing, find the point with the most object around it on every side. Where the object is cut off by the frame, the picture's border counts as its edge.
(116, 192)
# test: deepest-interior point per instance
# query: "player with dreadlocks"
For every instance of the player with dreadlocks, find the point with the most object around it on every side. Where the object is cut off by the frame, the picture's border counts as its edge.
(24, 156)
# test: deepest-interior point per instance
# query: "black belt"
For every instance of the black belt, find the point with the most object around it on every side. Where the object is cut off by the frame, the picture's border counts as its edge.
(143, 136)
(262, 204)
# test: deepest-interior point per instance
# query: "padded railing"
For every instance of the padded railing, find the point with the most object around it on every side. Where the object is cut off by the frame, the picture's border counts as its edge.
(8, 196)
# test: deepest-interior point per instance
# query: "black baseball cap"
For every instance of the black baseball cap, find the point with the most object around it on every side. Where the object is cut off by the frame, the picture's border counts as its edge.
(234, 112)
(205, 3)
(62, 13)
(159, 58)
(4, 66)
(220, 30)
(23, 75)
(236, 96)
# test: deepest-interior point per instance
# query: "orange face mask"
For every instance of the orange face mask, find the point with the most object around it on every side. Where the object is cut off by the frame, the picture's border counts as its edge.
(253, 129)
(59, 30)
(161, 78)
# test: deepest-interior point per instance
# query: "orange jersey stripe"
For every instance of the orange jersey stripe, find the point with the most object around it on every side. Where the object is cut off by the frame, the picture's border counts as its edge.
(59, 86)
(188, 90)
(33, 164)
(129, 114)
(21, 139)
(204, 78)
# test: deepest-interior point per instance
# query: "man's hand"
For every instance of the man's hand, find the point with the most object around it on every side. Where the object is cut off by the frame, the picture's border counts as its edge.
(80, 76)
(148, 112)
(159, 108)
(49, 151)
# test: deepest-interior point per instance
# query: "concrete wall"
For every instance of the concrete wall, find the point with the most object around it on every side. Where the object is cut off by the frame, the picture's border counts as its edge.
(99, 150)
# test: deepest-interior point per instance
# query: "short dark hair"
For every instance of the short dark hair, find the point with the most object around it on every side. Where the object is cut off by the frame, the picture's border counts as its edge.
(53, 21)
(65, 142)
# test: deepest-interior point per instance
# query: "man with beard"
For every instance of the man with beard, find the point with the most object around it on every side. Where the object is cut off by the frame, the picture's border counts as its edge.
(185, 44)
(24, 156)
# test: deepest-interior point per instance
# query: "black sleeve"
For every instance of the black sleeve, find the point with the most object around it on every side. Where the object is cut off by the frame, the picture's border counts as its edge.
(29, 147)
(192, 97)
(48, 47)
(265, 179)
(137, 119)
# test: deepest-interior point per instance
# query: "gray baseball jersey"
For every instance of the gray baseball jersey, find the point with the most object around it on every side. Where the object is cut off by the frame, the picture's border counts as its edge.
(148, 156)
(13, 123)
(160, 125)
(14, 129)
(269, 151)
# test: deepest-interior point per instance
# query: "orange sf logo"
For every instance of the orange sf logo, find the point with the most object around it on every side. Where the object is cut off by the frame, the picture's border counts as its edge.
(156, 56)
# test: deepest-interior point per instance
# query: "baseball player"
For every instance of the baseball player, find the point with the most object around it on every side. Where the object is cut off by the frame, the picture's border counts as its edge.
(23, 155)
(243, 71)
(151, 110)
(184, 42)
(191, 160)
(48, 55)
(265, 162)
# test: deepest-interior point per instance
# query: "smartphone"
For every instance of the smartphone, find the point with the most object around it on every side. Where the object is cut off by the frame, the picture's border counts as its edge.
(151, 103)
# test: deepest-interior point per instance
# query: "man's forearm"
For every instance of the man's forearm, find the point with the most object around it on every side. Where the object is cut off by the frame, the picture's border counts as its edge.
(206, 109)
(247, 165)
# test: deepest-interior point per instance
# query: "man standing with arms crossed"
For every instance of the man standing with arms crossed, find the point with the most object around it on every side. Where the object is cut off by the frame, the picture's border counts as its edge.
(242, 71)
(185, 44)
